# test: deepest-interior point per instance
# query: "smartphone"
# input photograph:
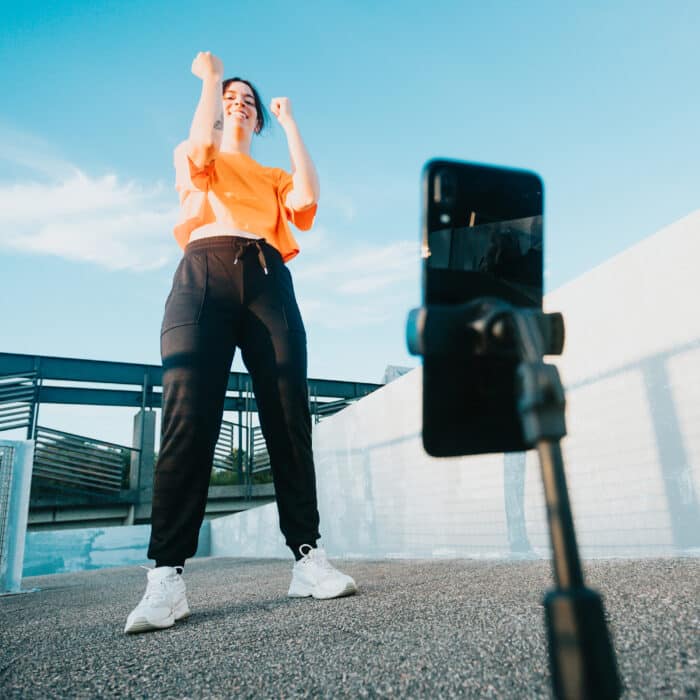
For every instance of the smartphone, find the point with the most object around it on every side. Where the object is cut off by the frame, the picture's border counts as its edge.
(482, 236)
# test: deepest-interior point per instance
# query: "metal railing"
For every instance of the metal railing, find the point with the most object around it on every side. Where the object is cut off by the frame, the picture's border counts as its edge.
(226, 449)
(323, 409)
(253, 460)
(65, 461)
(259, 458)
(241, 446)
(7, 456)
(76, 374)
(18, 393)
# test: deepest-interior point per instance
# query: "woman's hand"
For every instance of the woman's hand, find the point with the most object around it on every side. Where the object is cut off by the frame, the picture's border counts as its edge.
(306, 190)
(207, 66)
(281, 107)
(205, 132)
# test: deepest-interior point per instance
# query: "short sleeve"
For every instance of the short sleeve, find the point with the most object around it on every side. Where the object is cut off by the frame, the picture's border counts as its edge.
(189, 176)
(192, 190)
(303, 219)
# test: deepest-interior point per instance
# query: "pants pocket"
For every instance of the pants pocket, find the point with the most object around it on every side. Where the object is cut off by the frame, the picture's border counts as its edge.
(290, 308)
(185, 302)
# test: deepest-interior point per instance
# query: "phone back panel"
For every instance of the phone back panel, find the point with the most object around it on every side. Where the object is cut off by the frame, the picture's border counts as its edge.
(482, 237)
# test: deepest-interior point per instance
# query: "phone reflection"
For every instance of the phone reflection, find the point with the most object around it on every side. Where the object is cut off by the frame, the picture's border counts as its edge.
(509, 252)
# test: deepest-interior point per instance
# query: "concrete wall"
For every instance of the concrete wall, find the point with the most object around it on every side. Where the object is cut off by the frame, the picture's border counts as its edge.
(82, 549)
(632, 372)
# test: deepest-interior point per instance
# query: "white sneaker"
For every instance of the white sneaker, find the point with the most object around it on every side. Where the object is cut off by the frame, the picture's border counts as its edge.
(313, 575)
(162, 604)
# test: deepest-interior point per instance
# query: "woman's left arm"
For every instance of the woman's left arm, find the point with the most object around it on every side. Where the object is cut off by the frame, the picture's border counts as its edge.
(306, 190)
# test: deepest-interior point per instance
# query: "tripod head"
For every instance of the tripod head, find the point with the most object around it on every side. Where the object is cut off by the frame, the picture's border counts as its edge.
(485, 331)
(487, 325)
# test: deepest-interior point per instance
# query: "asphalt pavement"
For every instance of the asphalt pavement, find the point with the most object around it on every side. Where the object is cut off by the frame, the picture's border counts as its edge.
(416, 629)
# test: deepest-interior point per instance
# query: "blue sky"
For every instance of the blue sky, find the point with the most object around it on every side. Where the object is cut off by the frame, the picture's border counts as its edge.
(601, 100)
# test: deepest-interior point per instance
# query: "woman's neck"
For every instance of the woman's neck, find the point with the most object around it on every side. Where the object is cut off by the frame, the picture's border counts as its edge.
(236, 141)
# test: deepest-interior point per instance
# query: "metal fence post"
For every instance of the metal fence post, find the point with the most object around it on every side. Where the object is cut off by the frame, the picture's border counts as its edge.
(15, 479)
(143, 463)
(34, 406)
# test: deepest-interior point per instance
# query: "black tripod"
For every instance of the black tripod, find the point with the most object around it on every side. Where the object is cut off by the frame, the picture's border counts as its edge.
(581, 655)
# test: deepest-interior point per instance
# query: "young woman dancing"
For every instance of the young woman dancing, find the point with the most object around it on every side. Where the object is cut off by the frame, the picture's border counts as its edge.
(232, 288)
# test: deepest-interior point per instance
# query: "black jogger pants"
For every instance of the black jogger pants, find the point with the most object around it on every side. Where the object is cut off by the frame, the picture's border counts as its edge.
(227, 292)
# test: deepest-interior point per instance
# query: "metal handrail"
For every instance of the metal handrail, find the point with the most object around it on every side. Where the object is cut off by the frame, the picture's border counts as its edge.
(68, 460)
(70, 465)
(99, 462)
(328, 408)
(81, 372)
(18, 376)
(17, 396)
(259, 457)
(16, 392)
(75, 436)
(224, 448)
(22, 421)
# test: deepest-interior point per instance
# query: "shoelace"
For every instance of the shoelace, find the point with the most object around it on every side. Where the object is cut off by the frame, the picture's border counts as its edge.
(317, 556)
(155, 590)
(155, 593)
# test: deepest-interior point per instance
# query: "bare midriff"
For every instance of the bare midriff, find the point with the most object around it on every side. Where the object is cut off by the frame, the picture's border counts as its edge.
(219, 229)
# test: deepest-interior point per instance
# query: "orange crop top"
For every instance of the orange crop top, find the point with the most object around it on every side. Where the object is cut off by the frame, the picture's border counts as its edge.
(234, 189)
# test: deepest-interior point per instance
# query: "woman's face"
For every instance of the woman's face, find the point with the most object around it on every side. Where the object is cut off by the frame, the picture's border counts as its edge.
(239, 107)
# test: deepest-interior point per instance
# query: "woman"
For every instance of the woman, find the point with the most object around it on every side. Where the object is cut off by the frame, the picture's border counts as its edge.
(232, 288)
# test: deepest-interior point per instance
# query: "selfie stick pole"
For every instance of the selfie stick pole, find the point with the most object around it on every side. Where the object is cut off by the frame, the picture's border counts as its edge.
(581, 655)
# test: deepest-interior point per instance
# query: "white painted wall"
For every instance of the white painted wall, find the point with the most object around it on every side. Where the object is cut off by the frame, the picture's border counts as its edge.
(632, 371)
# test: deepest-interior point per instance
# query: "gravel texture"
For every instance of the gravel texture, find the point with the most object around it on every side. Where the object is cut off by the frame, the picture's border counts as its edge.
(426, 629)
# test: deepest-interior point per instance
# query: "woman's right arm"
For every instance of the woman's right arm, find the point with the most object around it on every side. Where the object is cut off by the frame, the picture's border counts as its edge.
(208, 117)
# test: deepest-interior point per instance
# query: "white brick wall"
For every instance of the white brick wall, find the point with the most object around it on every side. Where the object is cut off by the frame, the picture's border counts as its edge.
(632, 371)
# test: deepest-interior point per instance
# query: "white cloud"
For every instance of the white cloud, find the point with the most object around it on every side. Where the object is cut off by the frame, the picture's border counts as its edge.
(115, 241)
(342, 288)
(338, 202)
(364, 270)
(31, 153)
(60, 210)
(343, 314)
(74, 195)
(312, 242)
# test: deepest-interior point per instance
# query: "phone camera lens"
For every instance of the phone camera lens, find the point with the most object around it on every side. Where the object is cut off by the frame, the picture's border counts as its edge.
(445, 187)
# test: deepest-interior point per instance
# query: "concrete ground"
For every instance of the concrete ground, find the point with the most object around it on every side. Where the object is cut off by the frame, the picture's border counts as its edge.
(419, 629)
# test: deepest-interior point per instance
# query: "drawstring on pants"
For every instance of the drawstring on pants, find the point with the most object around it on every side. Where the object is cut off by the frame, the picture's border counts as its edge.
(245, 244)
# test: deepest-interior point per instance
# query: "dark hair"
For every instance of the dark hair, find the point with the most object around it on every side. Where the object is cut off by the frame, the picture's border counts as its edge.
(262, 112)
